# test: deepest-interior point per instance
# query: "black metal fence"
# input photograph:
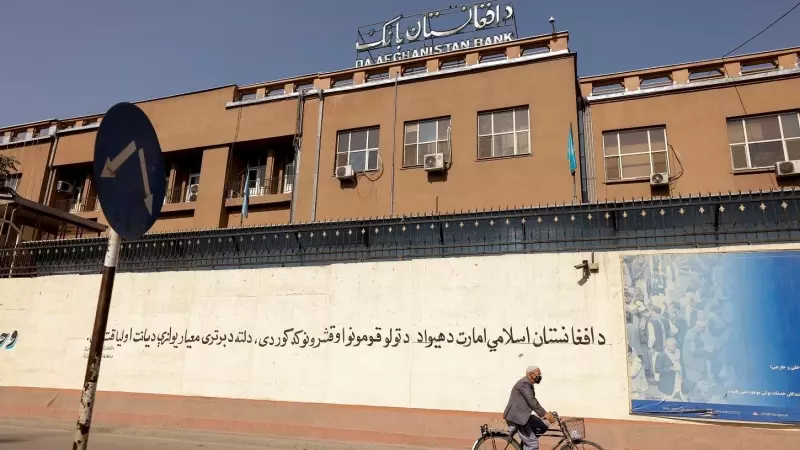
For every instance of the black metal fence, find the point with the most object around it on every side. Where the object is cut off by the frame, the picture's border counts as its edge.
(763, 217)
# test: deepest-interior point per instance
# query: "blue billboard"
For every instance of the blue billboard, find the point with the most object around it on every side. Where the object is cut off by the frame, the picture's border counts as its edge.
(714, 335)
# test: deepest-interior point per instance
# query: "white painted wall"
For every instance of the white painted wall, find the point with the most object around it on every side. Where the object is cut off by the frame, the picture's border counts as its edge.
(54, 318)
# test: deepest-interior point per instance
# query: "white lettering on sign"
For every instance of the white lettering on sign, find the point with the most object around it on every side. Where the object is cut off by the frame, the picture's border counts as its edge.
(436, 49)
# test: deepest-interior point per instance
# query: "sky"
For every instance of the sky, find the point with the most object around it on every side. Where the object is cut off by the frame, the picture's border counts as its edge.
(66, 58)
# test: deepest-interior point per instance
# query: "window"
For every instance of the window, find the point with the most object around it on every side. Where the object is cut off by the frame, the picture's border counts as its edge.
(193, 187)
(276, 92)
(496, 56)
(19, 136)
(374, 76)
(288, 178)
(89, 122)
(358, 148)
(535, 50)
(705, 73)
(453, 63)
(11, 181)
(304, 87)
(503, 133)
(635, 154)
(426, 137)
(342, 82)
(257, 180)
(43, 131)
(246, 96)
(417, 68)
(761, 141)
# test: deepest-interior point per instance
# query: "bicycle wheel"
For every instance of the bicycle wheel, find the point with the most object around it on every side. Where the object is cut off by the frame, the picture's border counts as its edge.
(496, 443)
(579, 444)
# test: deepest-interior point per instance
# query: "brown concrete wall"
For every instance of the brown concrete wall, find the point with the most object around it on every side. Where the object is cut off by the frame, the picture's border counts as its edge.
(697, 130)
(32, 165)
(209, 212)
(182, 122)
(174, 222)
(192, 121)
(266, 120)
(547, 88)
(74, 148)
(259, 215)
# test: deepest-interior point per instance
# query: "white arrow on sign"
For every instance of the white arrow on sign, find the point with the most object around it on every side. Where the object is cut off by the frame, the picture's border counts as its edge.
(148, 197)
(112, 165)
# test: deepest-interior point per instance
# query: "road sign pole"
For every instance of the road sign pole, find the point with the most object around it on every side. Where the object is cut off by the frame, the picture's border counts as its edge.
(98, 339)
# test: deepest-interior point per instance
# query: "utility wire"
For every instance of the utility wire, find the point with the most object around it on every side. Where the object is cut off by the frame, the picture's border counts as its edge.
(736, 88)
(764, 30)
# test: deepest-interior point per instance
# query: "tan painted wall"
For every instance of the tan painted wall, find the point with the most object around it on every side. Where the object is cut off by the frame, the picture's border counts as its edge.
(697, 130)
(32, 164)
(74, 148)
(210, 199)
(174, 222)
(259, 215)
(547, 88)
(53, 316)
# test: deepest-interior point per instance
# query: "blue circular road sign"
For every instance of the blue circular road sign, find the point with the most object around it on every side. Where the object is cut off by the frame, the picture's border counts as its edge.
(129, 172)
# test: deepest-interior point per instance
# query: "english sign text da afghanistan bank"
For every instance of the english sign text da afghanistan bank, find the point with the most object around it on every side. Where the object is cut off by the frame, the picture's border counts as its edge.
(437, 49)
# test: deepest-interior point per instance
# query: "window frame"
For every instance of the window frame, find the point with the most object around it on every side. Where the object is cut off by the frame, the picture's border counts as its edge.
(514, 132)
(6, 181)
(783, 139)
(366, 150)
(620, 155)
(447, 138)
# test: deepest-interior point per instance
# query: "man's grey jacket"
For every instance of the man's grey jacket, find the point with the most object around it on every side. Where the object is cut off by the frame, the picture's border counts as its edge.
(521, 402)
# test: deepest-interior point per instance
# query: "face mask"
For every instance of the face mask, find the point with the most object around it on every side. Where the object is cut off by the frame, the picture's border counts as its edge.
(537, 379)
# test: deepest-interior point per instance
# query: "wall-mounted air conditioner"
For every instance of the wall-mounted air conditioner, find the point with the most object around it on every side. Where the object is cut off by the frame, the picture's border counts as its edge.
(659, 179)
(64, 187)
(434, 162)
(345, 172)
(787, 168)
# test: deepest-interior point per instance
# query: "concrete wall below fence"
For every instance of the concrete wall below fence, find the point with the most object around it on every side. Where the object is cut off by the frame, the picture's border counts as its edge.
(474, 298)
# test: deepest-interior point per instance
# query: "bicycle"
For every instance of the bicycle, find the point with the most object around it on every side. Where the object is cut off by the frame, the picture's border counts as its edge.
(571, 431)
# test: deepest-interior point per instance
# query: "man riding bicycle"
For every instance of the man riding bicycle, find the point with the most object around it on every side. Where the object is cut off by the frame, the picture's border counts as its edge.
(521, 403)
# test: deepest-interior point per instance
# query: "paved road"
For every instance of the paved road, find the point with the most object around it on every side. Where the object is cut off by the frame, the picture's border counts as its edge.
(29, 435)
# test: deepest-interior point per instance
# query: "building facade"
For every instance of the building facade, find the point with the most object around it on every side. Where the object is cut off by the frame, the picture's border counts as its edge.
(496, 120)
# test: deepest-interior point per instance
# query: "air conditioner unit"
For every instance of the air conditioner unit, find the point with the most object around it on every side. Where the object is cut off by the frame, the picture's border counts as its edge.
(345, 172)
(64, 187)
(787, 168)
(434, 162)
(659, 179)
(192, 197)
(193, 188)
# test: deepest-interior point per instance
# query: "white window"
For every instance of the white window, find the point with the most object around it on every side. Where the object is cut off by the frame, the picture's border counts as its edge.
(288, 178)
(193, 187)
(759, 142)
(504, 133)
(257, 183)
(11, 181)
(426, 137)
(635, 154)
(358, 148)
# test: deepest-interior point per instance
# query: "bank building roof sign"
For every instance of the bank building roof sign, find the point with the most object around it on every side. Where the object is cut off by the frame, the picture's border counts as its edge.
(456, 28)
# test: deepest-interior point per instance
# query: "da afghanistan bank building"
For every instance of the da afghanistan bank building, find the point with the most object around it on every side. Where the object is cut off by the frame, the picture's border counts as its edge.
(410, 229)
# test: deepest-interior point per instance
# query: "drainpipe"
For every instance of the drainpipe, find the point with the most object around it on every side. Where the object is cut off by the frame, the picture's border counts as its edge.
(51, 174)
(297, 144)
(319, 143)
(394, 145)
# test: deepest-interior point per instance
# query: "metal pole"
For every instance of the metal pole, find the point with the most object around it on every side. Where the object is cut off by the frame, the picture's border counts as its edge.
(98, 339)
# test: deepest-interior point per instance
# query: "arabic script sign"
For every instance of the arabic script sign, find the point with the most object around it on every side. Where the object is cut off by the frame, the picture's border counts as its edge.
(426, 34)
